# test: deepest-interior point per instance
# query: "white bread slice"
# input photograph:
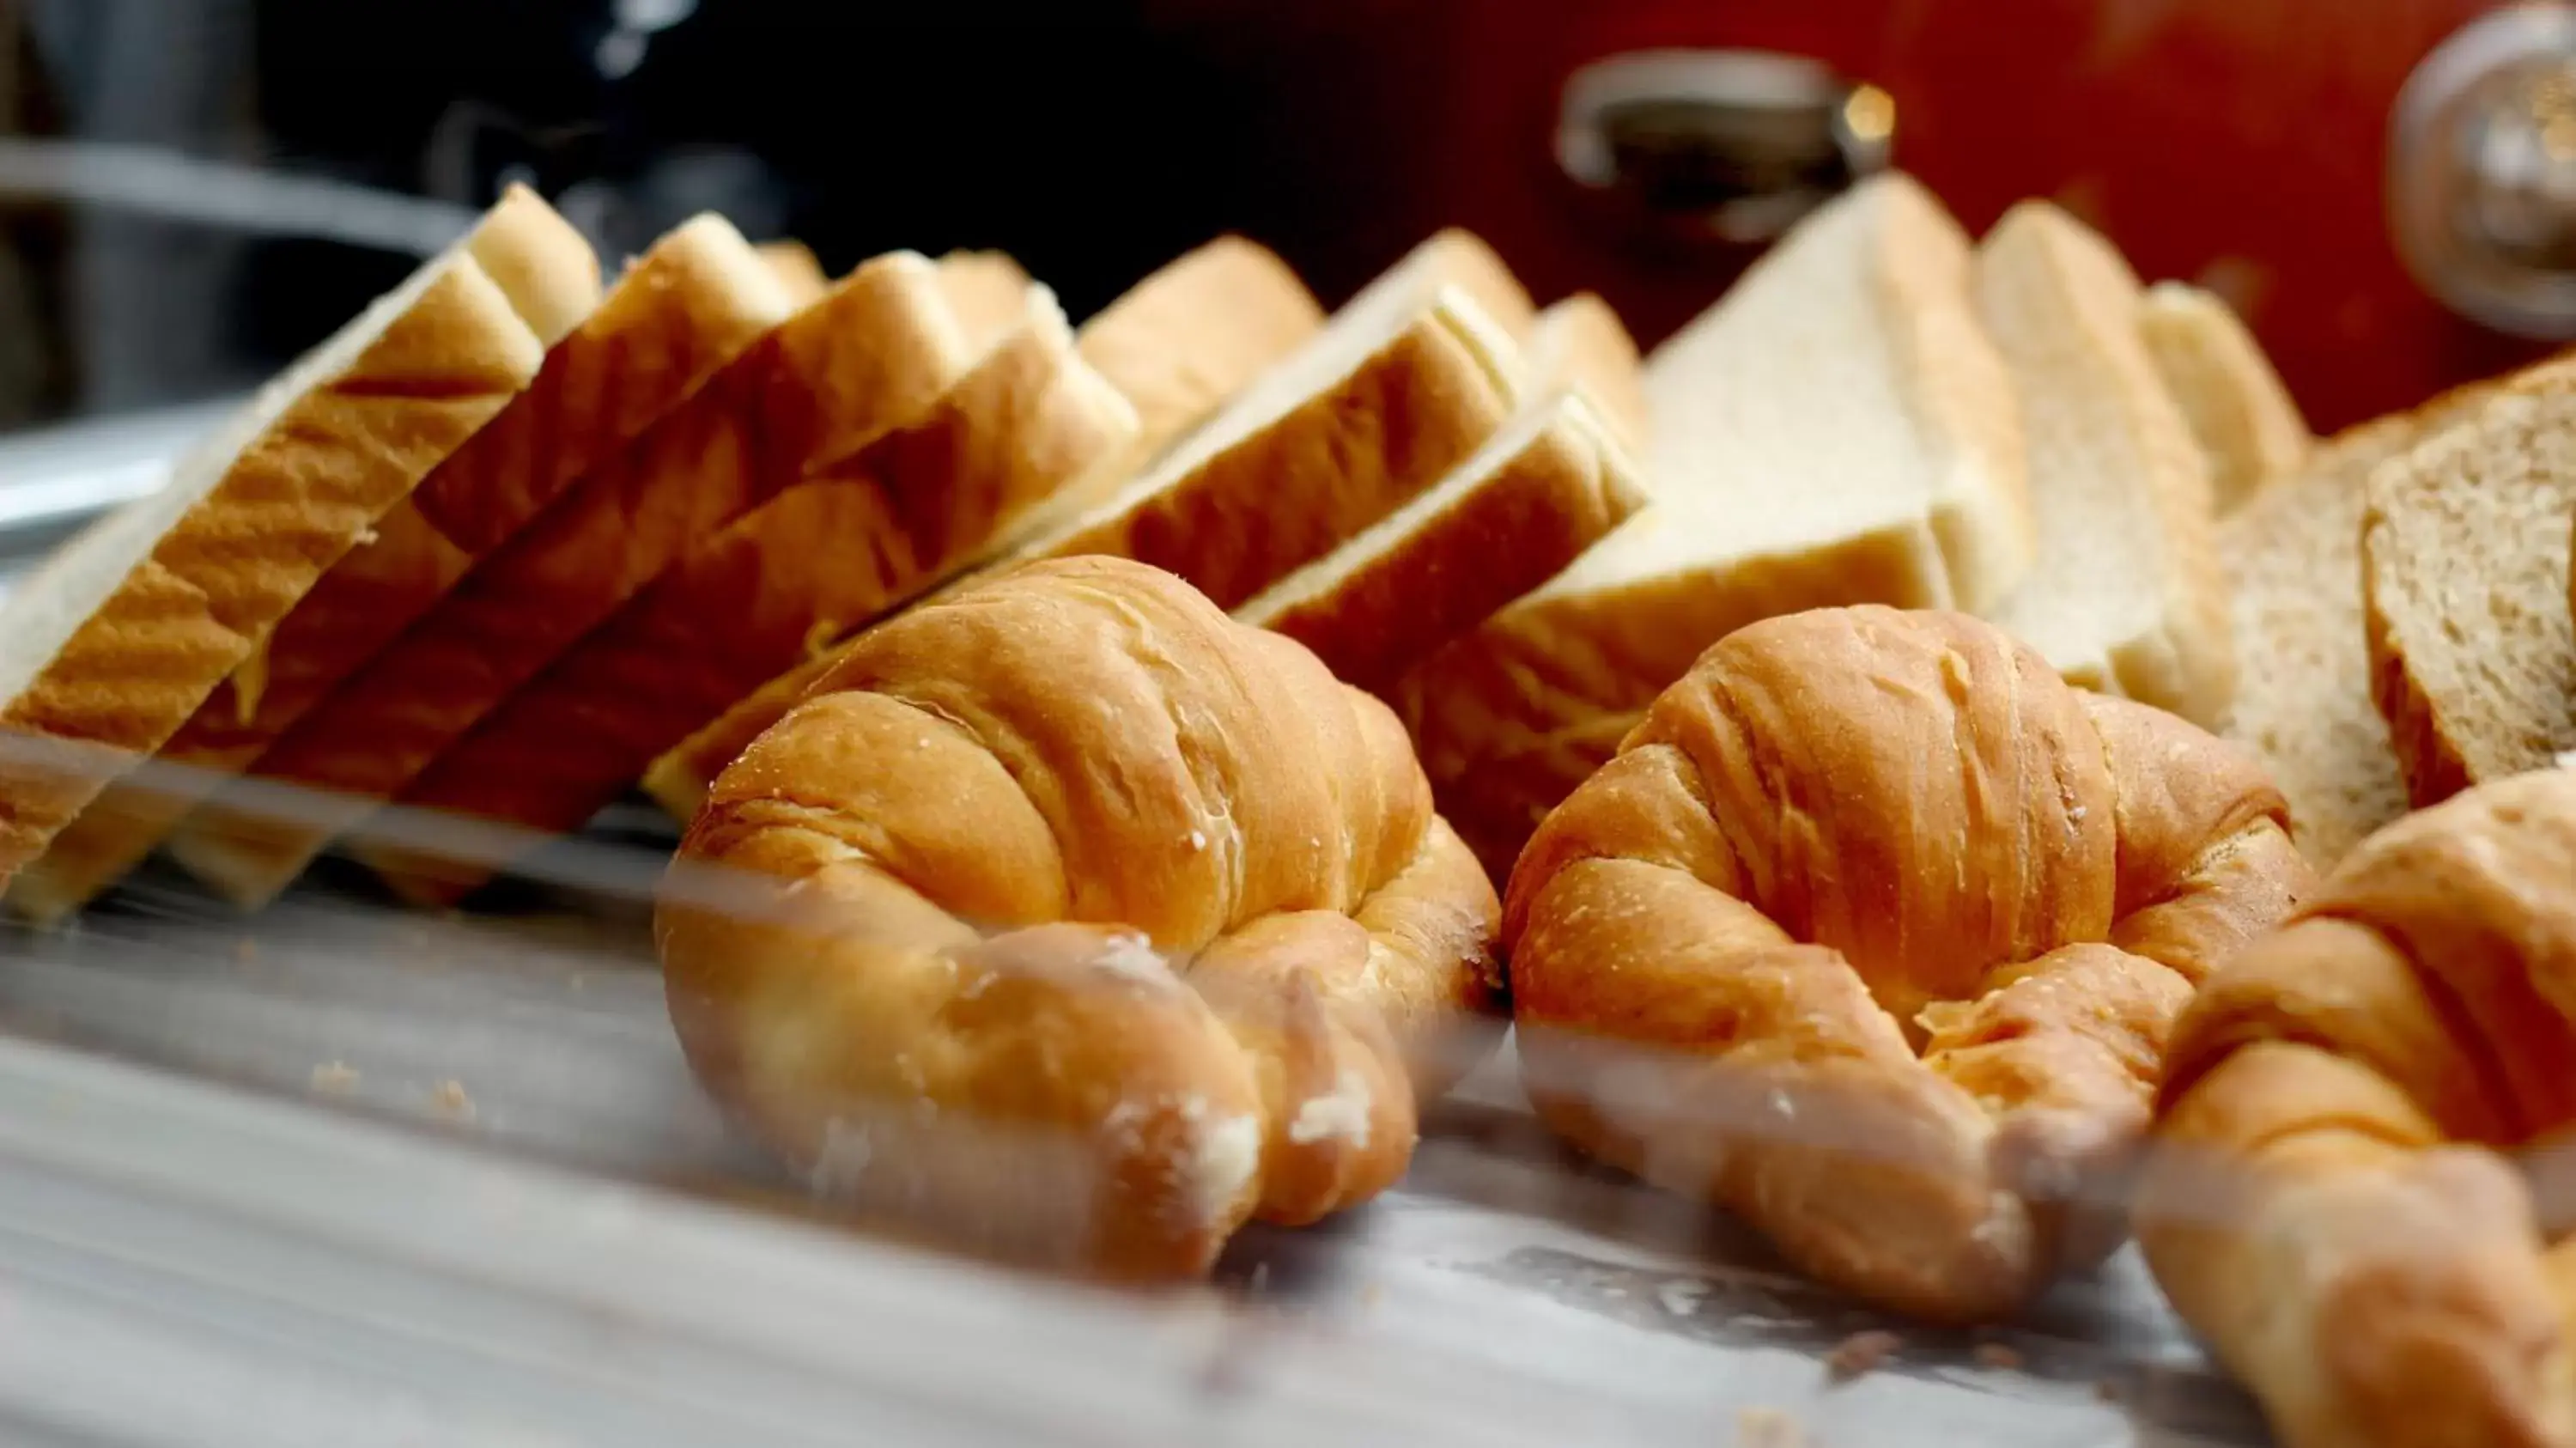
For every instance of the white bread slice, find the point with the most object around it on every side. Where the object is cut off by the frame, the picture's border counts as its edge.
(905, 512)
(686, 308)
(1399, 389)
(1548, 484)
(110, 647)
(2465, 591)
(1581, 339)
(1391, 396)
(798, 272)
(2238, 407)
(1198, 331)
(1835, 430)
(875, 351)
(1454, 258)
(2127, 596)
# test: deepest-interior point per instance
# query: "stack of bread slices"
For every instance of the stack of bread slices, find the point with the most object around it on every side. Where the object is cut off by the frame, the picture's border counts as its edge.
(516, 541)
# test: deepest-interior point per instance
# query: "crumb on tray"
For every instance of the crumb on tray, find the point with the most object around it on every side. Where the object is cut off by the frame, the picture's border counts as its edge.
(1999, 1356)
(246, 950)
(452, 1102)
(335, 1078)
(1861, 1353)
(1768, 1428)
(2108, 1390)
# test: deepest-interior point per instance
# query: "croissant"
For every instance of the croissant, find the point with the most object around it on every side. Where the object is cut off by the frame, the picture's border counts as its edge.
(1873, 932)
(2355, 1193)
(1072, 921)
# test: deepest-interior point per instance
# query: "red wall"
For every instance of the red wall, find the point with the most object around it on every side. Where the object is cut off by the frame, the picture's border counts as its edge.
(2238, 141)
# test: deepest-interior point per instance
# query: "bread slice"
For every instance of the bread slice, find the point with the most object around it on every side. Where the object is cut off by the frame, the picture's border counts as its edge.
(2127, 596)
(1835, 430)
(1582, 340)
(2465, 579)
(903, 513)
(869, 356)
(1454, 258)
(987, 290)
(2293, 557)
(111, 647)
(688, 306)
(1545, 487)
(1197, 332)
(2238, 408)
(1382, 404)
(797, 271)
(1399, 389)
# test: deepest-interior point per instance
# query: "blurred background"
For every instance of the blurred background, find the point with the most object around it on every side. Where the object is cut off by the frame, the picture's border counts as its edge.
(193, 190)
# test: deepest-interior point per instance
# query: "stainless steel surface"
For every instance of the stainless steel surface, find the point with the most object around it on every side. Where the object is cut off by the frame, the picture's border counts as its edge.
(2482, 171)
(342, 1174)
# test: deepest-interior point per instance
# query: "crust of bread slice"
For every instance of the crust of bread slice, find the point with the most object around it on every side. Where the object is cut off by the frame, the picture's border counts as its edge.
(988, 290)
(2239, 409)
(874, 352)
(1547, 485)
(1198, 331)
(2465, 591)
(1461, 259)
(798, 272)
(109, 649)
(683, 310)
(1364, 419)
(680, 776)
(2127, 596)
(1850, 352)
(1582, 340)
(1401, 387)
(902, 514)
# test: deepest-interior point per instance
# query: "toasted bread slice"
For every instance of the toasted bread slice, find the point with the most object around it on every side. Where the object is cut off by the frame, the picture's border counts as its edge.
(683, 310)
(797, 271)
(1197, 332)
(2293, 557)
(1400, 388)
(2238, 407)
(1461, 259)
(871, 531)
(112, 646)
(1835, 430)
(867, 357)
(987, 290)
(2127, 596)
(2465, 584)
(1549, 484)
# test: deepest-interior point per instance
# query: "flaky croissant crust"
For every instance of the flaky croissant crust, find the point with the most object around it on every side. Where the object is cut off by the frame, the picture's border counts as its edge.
(1084, 924)
(1874, 932)
(2360, 1192)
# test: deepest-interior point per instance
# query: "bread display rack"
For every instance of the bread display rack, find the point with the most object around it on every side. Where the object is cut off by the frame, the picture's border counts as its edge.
(340, 1173)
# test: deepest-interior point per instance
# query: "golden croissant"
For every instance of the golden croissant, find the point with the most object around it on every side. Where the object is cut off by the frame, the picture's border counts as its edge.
(1069, 919)
(2360, 1193)
(1873, 933)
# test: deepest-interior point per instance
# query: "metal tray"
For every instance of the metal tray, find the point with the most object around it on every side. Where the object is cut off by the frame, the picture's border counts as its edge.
(341, 1173)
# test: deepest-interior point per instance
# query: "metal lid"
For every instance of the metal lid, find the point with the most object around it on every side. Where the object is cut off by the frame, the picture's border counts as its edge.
(2482, 171)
